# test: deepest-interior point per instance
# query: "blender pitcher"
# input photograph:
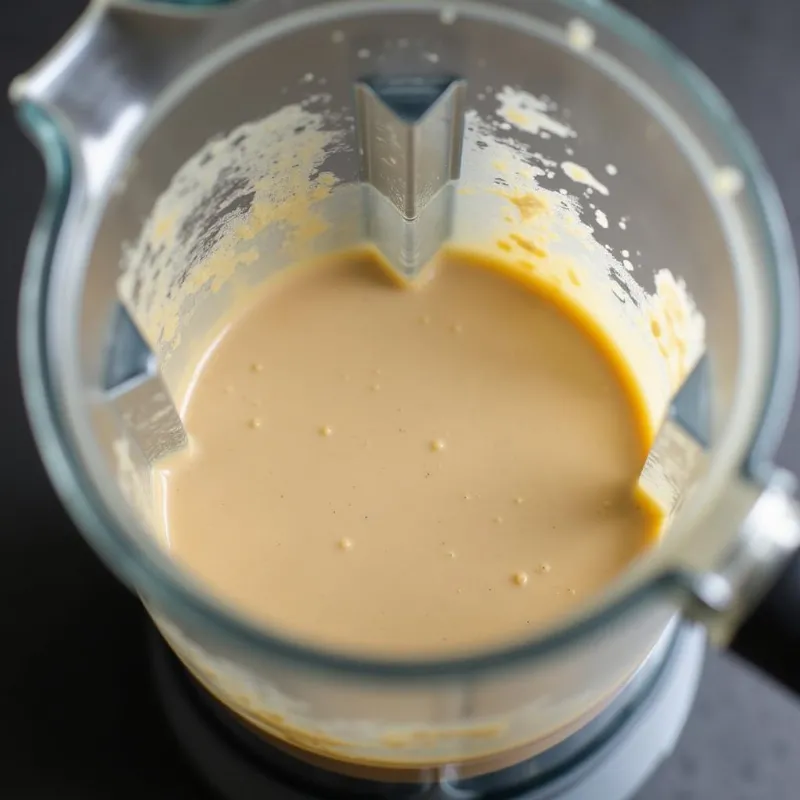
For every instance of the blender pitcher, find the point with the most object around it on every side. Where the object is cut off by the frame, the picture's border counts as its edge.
(194, 151)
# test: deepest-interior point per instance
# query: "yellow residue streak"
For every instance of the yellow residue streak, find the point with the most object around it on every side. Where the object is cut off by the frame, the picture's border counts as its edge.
(516, 117)
(582, 175)
(527, 245)
(655, 327)
(415, 738)
(528, 205)
(677, 327)
(274, 164)
(530, 114)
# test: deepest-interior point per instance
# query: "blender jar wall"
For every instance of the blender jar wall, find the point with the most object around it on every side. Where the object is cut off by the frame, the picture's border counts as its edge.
(665, 154)
(473, 715)
(219, 189)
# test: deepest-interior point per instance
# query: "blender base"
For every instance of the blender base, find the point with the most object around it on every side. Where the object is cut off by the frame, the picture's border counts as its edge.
(610, 759)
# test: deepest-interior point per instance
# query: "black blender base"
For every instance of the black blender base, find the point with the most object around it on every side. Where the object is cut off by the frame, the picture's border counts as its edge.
(608, 759)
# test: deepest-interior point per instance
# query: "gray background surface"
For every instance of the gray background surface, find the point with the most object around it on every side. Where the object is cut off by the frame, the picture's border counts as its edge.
(742, 741)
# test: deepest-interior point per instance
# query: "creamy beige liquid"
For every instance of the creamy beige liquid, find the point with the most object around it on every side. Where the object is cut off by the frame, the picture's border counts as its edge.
(407, 472)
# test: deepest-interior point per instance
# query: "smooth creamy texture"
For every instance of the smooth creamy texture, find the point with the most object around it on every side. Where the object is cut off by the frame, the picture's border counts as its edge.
(408, 471)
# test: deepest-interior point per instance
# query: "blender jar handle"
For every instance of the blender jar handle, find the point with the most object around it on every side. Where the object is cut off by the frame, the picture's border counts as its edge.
(101, 81)
(751, 600)
(84, 105)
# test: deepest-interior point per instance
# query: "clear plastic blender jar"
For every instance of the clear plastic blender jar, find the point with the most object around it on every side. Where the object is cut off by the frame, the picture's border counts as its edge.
(195, 151)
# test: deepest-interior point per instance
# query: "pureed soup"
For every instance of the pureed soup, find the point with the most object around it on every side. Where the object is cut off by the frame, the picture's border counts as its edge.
(409, 471)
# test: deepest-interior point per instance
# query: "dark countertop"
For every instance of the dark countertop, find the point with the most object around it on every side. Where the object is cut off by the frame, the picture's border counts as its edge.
(77, 716)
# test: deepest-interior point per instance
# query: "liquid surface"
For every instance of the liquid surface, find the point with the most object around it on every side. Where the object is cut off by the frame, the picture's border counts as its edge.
(406, 472)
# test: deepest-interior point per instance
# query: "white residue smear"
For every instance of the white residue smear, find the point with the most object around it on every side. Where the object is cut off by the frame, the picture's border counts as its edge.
(530, 114)
(728, 182)
(602, 219)
(580, 35)
(448, 15)
(582, 175)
